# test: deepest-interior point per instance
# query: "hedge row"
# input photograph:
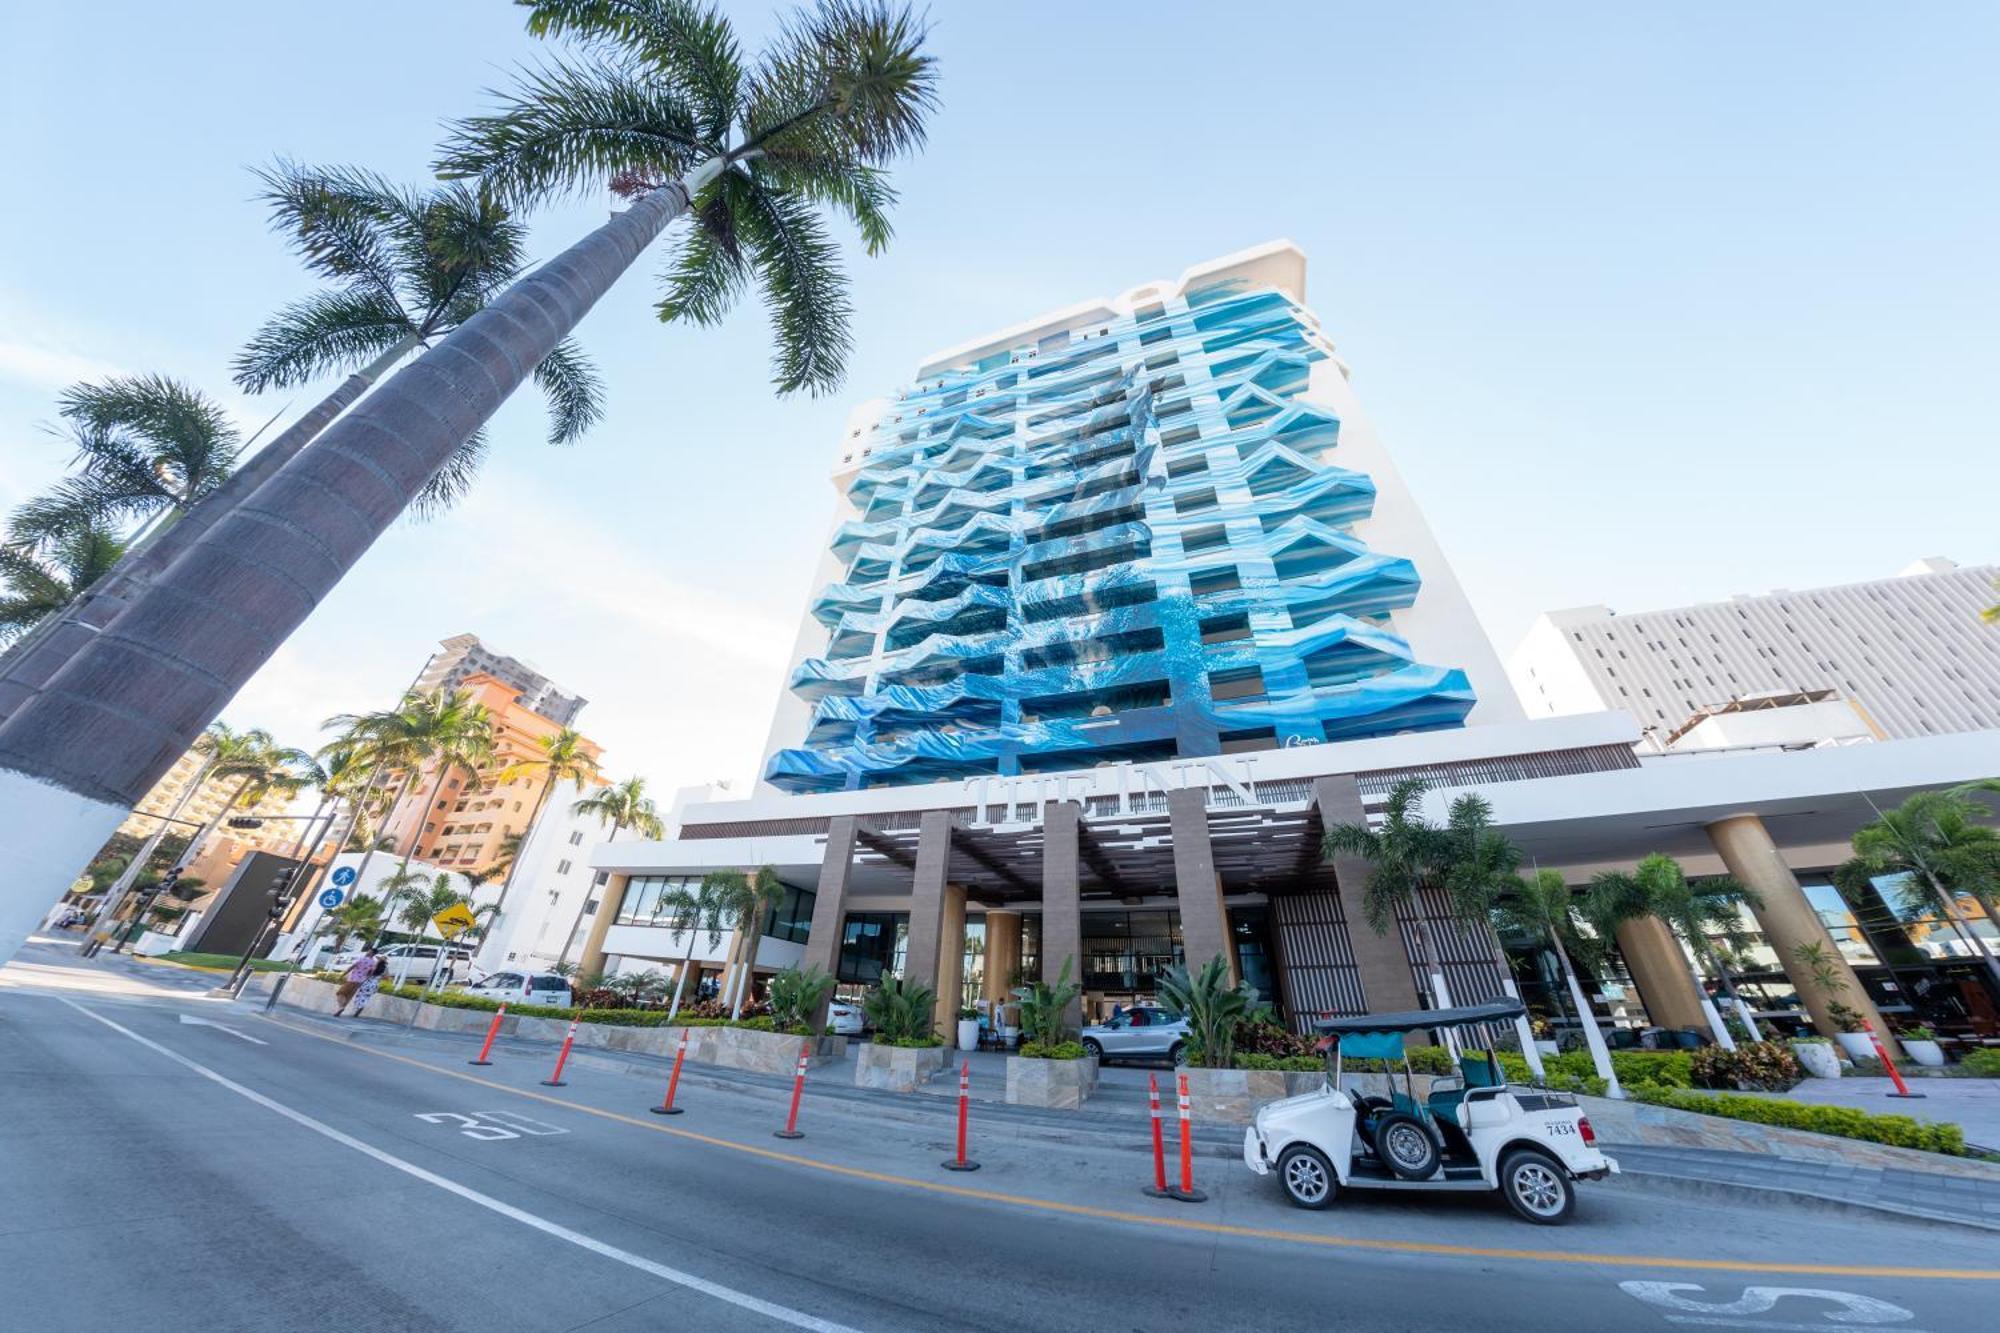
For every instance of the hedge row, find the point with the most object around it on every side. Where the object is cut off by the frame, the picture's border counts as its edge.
(630, 1018)
(1897, 1131)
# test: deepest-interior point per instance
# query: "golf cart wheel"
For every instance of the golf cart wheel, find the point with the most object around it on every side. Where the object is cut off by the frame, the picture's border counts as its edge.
(1093, 1050)
(1178, 1055)
(1536, 1186)
(1405, 1146)
(1307, 1176)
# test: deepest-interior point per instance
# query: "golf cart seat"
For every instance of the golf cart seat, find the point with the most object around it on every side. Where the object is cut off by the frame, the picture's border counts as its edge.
(1388, 1048)
(1475, 1073)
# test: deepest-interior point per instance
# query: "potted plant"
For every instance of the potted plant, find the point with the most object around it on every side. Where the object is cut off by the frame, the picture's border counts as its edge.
(968, 1029)
(1922, 1045)
(1545, 1038)
(1816, 1056)
(1825, 970)
(1052, 1069)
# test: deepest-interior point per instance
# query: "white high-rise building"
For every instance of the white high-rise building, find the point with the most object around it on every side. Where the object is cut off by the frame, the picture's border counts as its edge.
(1907, 656)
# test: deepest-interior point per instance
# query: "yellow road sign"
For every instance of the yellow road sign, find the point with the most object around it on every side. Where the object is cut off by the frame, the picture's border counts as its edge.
(454, 921)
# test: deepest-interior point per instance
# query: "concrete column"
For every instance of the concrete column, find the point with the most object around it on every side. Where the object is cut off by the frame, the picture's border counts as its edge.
(836, 868)
(951, 960)
(1788, 920)
(1659, 965)
(1003, 952)
(1388, 983)
(610, 897)
(927, 894)
(1062, 902)
(1204, 922)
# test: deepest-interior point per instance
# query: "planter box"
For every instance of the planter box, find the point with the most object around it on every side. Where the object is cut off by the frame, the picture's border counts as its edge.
(758, 1052)
(1817, 1059)
(1232, 1096)
(1926, 1053)
(310, 994)
(1058, 1085)
(898, 1068)
(1857, 1045)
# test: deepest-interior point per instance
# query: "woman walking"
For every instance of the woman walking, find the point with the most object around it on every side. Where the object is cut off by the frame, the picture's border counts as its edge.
(370, 986)
(357, 975)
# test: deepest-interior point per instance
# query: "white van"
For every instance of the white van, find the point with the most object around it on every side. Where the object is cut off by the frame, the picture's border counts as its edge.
(543, 988)
(412, 963)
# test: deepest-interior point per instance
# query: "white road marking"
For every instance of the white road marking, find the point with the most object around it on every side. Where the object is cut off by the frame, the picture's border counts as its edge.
(1855, 1311)
(728, 1295)
(211, 1023)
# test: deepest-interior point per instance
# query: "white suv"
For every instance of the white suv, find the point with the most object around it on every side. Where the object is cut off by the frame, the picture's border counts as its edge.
(542, 988)
(414, 963)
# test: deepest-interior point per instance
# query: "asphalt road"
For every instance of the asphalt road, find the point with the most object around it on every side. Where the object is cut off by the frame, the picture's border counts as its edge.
(166, 1174)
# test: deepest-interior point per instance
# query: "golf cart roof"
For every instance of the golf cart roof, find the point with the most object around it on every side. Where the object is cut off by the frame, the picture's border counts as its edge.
(1499, 1011)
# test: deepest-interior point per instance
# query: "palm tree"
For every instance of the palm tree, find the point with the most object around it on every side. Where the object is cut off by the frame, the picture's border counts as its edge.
(406, 267)
(40, 585)
(1696, 911)
(566, 757)
(1479, 865)
(1542, 908)
(745, 899)
(622, 805)
(445, 729)
(1933, 841)
(703, 908)
(1408, 855)
(217, 743)
(360, 915)
(662, 102)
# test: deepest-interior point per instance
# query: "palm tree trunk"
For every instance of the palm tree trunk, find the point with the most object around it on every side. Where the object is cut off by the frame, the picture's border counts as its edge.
(1741, 1009)
(27, 665)
(104, 728)
(680, 982)
(1523, 1033)
(1440, 996)
(361, 871)
(1586, 1017)
(576, 925)
(417, 824)
(1716, 1026)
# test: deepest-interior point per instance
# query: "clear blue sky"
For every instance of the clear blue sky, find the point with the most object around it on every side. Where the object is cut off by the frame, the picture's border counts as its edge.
(1653, 304)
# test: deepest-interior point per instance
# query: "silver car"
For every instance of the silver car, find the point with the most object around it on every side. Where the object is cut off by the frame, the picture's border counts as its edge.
(1140, 1033)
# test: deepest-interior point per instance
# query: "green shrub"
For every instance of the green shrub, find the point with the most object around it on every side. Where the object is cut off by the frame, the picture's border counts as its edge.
(899, 1010)
(1767, 1065)
(1214, 1006)
(1423, 1060)
(795, 994)
(1045, 1009)
(1983, 1063)
(1303, 1064)
(1062, 1050)
(1897, 1131)
(924, 1042)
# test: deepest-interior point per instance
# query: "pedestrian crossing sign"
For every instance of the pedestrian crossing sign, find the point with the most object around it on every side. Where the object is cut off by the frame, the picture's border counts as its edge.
(454, 921)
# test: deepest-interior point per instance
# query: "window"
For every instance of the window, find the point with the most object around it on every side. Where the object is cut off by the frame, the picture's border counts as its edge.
(1241, 683)
(562, 867)
(1195, 502)
(1225, 579)
(575, 839)
(1209, 538)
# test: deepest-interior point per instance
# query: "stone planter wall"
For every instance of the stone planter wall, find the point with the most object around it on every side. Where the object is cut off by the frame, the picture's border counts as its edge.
(1232, 1096)
(898, 1068)
(1058, 1085)
(759, 1052)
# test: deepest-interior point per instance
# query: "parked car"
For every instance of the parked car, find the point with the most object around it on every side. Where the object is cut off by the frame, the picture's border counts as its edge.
(1143, 1032)
(1468, 1132)
(543, 988)
(843, 1018)
(414, 963)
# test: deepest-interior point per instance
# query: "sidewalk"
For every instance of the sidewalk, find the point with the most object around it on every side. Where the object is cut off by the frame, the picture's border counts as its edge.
(1973, 1104)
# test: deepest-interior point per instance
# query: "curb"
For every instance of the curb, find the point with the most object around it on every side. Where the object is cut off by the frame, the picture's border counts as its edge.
(1690, 1187)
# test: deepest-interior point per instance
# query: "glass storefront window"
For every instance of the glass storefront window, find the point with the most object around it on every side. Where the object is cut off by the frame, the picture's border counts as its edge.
(873, 945)
(1841, 922)
(1124, 952)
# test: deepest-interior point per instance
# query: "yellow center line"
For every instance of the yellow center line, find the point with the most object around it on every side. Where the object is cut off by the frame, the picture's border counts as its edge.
(1178, 1223)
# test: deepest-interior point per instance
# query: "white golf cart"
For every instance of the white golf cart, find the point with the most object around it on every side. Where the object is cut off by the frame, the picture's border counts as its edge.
(1472, 1132)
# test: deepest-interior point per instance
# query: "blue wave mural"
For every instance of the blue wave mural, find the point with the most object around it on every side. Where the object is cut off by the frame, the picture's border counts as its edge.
(1133, 546)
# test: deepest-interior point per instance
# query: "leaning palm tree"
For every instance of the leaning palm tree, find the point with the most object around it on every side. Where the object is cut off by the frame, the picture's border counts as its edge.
(1934, 842)
(659, 100)
(622, 805)
(704, 908)
(565, 757)
(41, 583)
(446, 730)
(404, 268)
(1478, 870)
(1407, 856)
(745, 899)
(1542, 908)
(1698, 912)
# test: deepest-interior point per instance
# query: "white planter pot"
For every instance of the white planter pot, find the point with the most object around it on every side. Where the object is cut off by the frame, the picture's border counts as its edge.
(1857, 1045)
(1926, 1053)
(1547, 1048)
(1817, 1059)
(968, 1034)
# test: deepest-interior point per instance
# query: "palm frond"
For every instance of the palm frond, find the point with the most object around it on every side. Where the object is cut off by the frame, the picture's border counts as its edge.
(566, 130)
(848, 77)
(337, 220)
(450, 483)
(463, 248)
(863, 193)
(798, 267)
(573, 389)
(334, 330)
(705, 272)
(691, 45)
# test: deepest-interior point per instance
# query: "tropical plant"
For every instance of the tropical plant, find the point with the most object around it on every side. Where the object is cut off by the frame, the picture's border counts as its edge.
(1936, 843)
(622, 805)
(796, 994)
(565, 757)
(745, 899)
(1045, 1008)
(446, 730)
(360, 916)
(704, 908)
(218, 744)
(1697, 911)
(661, 102)
(899, 1011)
(1213, 1006)
(1542, 908)
(260, 767)
(404, 268)
(39, 584)
(1827, 973)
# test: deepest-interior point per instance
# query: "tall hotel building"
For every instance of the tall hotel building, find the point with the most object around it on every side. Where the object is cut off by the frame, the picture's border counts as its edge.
(1143, 529)
(1121, 609)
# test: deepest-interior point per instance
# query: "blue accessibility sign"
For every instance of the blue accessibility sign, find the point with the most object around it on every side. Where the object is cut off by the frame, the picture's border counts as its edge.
(331, 899)
(344, 876)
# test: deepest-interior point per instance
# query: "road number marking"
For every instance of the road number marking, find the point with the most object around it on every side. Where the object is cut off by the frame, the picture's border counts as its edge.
(1854, 1312)
(491, 1125)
